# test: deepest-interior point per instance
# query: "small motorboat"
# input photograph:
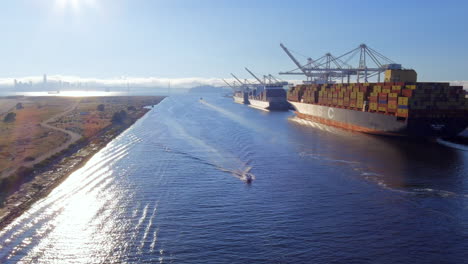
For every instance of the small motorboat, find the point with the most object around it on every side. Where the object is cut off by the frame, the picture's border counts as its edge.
(248, 178)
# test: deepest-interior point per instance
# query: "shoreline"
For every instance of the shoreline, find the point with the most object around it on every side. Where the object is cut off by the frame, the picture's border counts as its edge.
(46, 181)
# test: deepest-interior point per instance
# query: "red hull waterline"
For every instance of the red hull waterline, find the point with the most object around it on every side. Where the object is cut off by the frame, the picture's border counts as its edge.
(346, 126)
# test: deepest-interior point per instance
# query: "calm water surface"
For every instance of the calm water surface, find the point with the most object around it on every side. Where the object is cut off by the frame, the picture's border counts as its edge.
(170, 190)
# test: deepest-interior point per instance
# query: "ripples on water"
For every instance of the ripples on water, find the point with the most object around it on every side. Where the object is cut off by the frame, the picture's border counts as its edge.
(171, 190)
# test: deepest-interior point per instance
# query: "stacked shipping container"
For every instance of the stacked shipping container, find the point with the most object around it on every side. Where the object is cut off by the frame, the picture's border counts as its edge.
(398, 99)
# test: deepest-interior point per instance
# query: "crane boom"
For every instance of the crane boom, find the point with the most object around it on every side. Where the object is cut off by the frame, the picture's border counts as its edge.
(228, 83)
(237, 79)
(275, 79)
(251, 73)
(294, 59)
(329, 67)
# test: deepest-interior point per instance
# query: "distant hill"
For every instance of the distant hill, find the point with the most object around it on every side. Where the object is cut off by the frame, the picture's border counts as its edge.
(206, 89)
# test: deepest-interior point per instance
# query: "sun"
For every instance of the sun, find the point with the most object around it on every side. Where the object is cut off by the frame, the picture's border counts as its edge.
(74, 4)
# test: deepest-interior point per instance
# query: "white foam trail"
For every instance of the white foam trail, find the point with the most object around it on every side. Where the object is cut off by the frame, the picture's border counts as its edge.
(155, 239)
(452, 145)
(435, 192)
(219, 157)
(323, 127)
(135, 229)
(142, 218)
(135, 212)
(147, 229)
(322, 157)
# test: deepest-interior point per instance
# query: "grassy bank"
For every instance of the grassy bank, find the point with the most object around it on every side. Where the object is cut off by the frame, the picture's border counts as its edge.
(28, 184)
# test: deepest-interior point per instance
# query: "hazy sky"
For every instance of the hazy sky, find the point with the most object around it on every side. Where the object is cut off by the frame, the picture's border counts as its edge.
(176, 39)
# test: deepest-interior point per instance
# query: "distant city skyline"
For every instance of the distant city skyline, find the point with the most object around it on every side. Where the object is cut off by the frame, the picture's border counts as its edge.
(191, 42)
(57, 81)
(54, 80)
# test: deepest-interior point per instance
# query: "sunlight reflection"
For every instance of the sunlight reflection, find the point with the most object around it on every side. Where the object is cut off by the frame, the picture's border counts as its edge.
(78, 237)
(82, 218)
(74, 4)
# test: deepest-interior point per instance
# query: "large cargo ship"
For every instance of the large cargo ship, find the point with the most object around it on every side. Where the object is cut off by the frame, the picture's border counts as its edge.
(269, 97)
(268, 94)
(413, 109)
(241, 97)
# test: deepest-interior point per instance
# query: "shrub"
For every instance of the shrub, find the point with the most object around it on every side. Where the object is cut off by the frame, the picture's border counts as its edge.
(119, 117)
(10, 117)
(29, 158)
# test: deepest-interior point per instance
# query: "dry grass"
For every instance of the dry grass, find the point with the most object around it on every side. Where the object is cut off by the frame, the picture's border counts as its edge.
(25, 139)
(86, 120)
(7, 105)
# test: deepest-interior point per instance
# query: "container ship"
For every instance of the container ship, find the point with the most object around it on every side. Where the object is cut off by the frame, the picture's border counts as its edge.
(269, 97)
(394, 108)
(241, 97)
(264, 95)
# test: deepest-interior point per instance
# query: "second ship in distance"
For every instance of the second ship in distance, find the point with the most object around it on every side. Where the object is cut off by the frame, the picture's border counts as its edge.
(267, 94)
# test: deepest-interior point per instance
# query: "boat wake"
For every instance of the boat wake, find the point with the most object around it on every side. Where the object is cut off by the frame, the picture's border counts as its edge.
(242, 174)
(451, 144)
(421, 192)
(198, 149)
(245, 175)
(379, 179)
(323, 158)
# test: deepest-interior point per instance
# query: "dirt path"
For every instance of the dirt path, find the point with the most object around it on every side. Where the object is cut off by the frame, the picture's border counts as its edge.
(73, 137)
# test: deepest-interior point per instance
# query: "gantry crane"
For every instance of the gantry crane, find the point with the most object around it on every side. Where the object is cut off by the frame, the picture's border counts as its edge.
(233, 86)
(328, 67)
(271, 79)
(244, 86)
(255, 76)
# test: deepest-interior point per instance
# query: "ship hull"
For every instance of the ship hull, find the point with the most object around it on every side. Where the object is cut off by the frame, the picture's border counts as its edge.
(259, 104)
(272, 105)
(238, 100)
(377, 123)
(241, 98)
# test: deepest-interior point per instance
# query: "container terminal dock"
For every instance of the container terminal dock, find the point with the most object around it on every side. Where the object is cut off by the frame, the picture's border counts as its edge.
(396, 106)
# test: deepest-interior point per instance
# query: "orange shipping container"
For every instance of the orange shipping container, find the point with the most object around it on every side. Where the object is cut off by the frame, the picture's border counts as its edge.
(386, 90)
(407, 92)
(392, 105)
